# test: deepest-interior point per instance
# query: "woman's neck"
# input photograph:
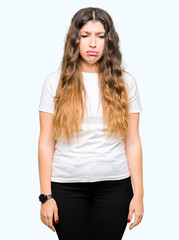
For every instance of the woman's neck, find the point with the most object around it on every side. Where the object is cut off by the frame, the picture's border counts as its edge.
(88, 69)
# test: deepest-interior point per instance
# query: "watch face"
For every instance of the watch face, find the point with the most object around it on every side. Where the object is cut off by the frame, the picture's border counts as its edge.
(42, 198)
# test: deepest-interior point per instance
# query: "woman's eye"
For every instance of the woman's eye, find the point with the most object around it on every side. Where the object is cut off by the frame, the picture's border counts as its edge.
(83, 36)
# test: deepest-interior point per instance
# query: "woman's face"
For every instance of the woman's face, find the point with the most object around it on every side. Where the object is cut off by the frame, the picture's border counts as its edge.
(92, 41)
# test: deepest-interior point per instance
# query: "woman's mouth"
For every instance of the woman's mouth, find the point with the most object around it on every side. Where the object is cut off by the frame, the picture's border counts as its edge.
(92, 53)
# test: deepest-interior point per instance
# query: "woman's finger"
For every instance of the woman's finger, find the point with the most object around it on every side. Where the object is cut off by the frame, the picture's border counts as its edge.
(136, 221)
(130, 213)
(140, 219)
(49, 223)
(42, 218)
(56, 218)
(46, 220)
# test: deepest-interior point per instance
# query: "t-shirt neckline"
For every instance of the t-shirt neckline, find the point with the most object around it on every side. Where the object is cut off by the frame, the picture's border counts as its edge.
(88, 73)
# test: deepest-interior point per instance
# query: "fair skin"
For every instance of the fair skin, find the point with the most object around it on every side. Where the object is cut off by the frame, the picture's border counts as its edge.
(134, 157)
(45, 155)
(93, 40)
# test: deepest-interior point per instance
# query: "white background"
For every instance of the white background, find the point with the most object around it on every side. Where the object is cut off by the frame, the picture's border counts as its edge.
(32, 42)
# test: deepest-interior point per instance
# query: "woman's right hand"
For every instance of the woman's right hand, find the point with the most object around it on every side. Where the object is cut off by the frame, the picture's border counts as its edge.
(48, 211)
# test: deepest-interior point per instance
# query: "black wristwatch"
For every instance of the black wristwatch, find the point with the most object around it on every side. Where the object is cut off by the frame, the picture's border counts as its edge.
(43, 198)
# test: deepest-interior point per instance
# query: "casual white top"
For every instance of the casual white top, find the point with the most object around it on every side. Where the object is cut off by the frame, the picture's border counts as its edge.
(93, 157)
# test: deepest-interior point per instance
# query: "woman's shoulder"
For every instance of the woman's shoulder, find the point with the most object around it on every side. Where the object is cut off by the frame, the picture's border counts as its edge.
(129, 79)
(54, 77)
(52, 80)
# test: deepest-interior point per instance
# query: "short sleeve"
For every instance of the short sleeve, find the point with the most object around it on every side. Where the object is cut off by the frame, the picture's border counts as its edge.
(47, 97)
(133, 94)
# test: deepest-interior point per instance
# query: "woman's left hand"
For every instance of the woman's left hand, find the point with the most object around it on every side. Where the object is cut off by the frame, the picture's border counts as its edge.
(136, 206)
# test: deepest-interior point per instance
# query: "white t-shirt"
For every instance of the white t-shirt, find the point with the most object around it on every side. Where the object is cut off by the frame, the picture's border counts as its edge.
(94, 157)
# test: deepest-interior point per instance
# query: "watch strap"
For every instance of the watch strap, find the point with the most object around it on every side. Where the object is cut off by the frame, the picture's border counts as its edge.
(43, 198)
(49, 196)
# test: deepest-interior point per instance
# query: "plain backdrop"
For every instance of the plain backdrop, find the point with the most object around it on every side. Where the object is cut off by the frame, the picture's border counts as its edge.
(32, 43)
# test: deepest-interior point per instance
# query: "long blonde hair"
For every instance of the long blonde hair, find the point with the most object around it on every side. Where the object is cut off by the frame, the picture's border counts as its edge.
(69, 102)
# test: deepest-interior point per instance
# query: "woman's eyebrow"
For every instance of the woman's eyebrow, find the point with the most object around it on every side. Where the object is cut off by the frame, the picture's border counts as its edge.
(90, 32)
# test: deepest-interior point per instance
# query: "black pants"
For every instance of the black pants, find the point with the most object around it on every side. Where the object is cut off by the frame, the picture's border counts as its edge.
(92, 210)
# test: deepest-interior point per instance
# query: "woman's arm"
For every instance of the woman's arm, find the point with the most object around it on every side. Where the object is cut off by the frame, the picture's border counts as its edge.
(49, 209)
(45, 152)
(134, 157)
(134, 154)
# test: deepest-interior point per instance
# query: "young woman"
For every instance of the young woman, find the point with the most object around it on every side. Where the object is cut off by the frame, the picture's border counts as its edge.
(90, 156)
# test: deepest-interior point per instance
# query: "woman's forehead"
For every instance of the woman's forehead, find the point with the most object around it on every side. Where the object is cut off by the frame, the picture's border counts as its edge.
(90, 26)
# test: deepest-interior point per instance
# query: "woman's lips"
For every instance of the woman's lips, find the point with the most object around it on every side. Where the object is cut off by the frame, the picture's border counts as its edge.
(92, 52)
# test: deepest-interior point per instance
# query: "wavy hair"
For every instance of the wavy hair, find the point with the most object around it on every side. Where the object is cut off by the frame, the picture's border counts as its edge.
(70, 99)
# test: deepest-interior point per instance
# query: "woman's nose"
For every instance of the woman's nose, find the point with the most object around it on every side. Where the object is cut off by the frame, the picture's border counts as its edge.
(92, 41)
